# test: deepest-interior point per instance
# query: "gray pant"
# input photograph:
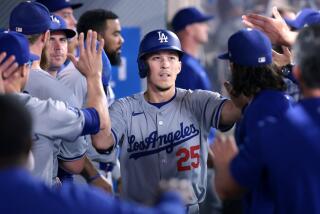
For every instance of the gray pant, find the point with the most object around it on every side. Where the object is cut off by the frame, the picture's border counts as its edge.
(193, 209)
(211, 204)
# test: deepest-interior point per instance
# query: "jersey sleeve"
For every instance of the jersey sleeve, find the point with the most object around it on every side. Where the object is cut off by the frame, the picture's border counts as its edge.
(104, 158)
(118, 115)
(73, 150)
(54, 119)
(106, 69)
(207, 106)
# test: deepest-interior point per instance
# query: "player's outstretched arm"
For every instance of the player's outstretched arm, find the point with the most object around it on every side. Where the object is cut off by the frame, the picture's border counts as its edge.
(232, 109)
(93, 176)
(230, 114)
(90, 65)
(276, 28)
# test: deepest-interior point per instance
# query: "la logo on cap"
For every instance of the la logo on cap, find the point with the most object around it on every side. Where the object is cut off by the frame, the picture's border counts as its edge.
(162, 37)
(54, 19)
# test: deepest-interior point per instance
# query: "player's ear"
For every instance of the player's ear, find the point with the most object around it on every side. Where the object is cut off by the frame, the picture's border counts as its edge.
(45, 36)
(180, 66)
(24, 70)
(189, 29)
(99, 37)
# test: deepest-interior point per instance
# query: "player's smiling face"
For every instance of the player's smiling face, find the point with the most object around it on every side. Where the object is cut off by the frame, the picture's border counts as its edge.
(164, 66)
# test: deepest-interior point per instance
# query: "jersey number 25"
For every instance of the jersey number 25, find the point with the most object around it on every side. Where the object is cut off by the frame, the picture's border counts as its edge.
(185, 155)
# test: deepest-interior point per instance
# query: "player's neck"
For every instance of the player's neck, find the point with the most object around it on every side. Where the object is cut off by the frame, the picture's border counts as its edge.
(53, 72)
(191, 47)
(36, 65)
(157, 96)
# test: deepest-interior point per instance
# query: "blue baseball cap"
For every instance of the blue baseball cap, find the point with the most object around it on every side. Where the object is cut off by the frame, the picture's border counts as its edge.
(55, 5)
(188, 16)
(30, 18)
(304, 18)
(16, 44)
(59, 25)
(249, 47)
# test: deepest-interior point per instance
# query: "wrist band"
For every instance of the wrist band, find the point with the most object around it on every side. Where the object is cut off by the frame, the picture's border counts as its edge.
(95, 177)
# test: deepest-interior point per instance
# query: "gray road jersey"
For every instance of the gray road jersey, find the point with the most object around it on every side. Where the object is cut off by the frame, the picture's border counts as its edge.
(164, 143)
(52, 120)
(76, 82)
(43, 86)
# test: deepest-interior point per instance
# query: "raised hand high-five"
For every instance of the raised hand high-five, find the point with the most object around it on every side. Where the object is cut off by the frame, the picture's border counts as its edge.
(275, 28)
(89, 62)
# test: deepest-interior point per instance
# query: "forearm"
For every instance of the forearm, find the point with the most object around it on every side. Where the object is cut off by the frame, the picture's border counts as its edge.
(230, 114)
(226, 186)
(102, 140)
(93, 176)
(96, 99)
(89, 170)
(74, 167)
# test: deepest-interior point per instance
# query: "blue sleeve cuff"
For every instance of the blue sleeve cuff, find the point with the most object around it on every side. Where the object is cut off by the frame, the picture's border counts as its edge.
(106, 69)
(92, 121)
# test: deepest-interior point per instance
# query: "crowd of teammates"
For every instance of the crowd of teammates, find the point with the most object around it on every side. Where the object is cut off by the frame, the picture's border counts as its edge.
(59, 116)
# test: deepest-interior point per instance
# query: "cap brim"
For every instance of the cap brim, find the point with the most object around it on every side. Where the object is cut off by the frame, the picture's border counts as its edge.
(75, 6)
(224, 56)
(292, 23)
(69, 33)
(206, 18)
(33, 57)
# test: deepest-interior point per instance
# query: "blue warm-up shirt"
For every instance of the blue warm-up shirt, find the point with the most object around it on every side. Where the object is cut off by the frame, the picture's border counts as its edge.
(284, 154)
(267, 103)
(22, 193)
(192, 75)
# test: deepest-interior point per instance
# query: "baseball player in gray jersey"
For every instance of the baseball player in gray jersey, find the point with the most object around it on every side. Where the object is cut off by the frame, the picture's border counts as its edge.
(41, 84)
(44, 86)
(22, 19)
(165, 129)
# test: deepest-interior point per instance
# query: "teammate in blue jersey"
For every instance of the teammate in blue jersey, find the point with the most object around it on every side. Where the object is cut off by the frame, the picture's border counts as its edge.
(22, 193)
(282, 153)
(191, 27)
(163, 131)
(255, 80)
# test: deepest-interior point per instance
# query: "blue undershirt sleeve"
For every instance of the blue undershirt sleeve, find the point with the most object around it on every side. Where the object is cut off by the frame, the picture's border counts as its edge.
(92, 121)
